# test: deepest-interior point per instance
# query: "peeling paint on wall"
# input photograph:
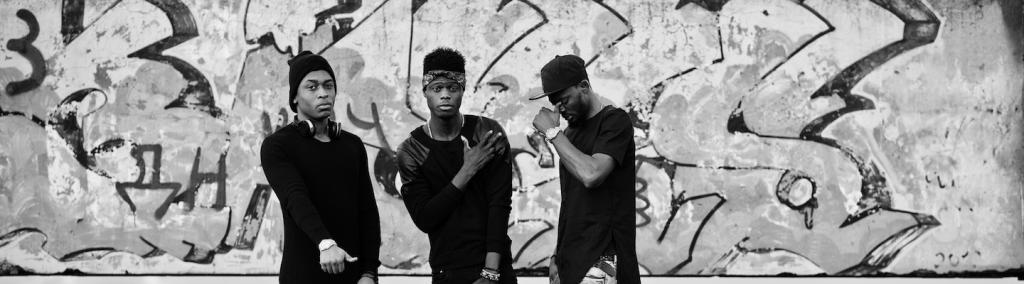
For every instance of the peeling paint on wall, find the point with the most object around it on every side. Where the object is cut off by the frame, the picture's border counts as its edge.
(774, 136)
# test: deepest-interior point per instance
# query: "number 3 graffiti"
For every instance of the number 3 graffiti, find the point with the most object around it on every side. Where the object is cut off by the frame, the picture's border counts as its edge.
(24, 47)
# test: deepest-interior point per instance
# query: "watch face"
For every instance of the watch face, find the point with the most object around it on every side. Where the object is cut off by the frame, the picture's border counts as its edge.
(551, 133)
(325, 244)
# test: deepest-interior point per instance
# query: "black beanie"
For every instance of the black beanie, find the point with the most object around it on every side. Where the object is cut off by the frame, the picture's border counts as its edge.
(298, 67)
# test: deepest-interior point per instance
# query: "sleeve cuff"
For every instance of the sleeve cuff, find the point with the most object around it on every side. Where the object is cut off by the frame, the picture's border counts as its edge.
(498, 247)
(455, 190)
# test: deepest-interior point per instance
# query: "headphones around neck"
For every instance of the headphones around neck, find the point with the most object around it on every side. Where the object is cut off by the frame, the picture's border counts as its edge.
(306, 128)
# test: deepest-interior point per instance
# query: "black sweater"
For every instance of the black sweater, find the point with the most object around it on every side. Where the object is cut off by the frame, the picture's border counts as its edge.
(325, 193)
(463, 225)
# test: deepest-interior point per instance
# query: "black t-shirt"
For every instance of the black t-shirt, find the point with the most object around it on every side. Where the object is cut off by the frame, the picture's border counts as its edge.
(463, 225)
(592, 221)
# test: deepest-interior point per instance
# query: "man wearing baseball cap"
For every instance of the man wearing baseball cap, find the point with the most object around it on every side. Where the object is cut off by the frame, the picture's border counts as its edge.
(596, 240)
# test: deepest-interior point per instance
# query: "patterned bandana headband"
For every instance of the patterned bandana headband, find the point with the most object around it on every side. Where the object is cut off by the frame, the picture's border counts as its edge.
(458, 77)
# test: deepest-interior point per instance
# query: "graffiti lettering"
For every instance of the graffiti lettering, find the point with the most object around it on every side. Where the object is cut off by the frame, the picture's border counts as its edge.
(24, 47)
(766, 142)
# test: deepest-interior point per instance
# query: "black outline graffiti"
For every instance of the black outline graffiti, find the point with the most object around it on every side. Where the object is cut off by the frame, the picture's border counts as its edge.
(330, 14)
(416, 4)
(154, 183)
(340, 34)
(782, 191)
(10, 236)
(186, 197)
(64, 120)
(883, 252)
(88, 253)
(33, 118)
(616, 40)
(814, 38)
(198, 255)
(641, 195)
(735, 123)
(253, 218)
(544, 21)
(385, 165)
(710, 5)
(916, 32)
(156, 251)
(197, 179)
(538, 143)
(639, 113)
(24, 47)
(669, 167)
(548, 228)
(72, 18)
(405, 264)
(197, 93)
(808, 42)
(738, 250)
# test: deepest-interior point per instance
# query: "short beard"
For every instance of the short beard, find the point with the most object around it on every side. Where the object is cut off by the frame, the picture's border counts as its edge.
(576, 122)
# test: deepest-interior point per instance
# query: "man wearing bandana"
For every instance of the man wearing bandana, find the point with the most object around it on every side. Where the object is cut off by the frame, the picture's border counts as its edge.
(457, 181)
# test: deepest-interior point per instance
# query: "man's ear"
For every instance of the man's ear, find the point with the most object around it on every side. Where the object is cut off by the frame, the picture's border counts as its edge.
(584, 85)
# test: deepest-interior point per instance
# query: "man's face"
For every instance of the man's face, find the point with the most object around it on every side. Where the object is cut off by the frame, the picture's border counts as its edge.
(569, 104)
(444, 97)
(315, 96)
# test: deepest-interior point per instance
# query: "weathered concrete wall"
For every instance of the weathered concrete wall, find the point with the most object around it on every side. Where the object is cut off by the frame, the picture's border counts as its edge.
(774, 135)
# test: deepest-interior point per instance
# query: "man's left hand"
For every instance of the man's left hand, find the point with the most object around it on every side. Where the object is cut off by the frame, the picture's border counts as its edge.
(545, 119)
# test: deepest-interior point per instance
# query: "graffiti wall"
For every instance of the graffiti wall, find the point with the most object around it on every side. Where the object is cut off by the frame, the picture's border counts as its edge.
(773, 136)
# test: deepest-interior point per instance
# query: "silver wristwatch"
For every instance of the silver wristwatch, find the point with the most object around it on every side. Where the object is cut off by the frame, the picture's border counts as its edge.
(326, 244)
(551, 133)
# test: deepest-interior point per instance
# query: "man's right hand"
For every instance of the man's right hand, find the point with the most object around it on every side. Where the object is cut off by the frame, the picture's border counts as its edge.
(552, 271)
(332, 260)
(475, 158)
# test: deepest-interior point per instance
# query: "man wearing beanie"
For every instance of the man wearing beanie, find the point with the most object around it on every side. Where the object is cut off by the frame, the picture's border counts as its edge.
(457, 181)
(319, 173)
(596, 240)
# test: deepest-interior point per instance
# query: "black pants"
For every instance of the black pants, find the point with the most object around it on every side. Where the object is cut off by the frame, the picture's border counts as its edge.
(468, 275)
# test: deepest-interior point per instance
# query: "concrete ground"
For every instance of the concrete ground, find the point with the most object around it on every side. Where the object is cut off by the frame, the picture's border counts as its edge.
(426, 280)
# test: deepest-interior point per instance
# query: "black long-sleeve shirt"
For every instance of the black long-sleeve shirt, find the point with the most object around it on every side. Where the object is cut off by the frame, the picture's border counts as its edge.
(463, 225)
(325, 193)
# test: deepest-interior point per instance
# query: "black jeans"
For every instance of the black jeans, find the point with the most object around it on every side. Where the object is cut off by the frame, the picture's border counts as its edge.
(468, 275)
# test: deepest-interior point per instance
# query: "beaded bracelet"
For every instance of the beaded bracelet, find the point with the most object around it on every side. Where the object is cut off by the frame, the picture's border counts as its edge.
(490, 274)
